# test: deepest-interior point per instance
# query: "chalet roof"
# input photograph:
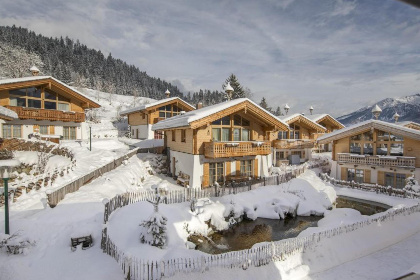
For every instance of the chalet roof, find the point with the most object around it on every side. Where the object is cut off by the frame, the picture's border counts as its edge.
(369, 124)
(320, 117)
(47, 79)
(408, 123)
(292, 118)
(7, 114)
(155, 104)
(193, 118)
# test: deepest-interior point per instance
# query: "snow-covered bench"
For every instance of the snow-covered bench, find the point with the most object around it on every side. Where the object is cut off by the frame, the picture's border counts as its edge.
(183, 179)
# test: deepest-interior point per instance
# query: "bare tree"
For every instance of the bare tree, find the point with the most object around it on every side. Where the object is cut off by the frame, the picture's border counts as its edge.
(16, 61)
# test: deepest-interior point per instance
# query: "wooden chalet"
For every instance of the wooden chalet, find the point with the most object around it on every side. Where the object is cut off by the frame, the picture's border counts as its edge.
(44, 105)
(143, 117)
(295, 146)
(227, 141)
(375, 152)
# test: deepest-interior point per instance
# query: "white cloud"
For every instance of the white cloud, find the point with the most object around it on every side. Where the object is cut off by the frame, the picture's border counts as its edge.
(334, 55)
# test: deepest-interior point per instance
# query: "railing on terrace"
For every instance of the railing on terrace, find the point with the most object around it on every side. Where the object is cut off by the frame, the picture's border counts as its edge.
(236, 149)
(293, 143)
(394, 161)
(44, 114)
(370, 187)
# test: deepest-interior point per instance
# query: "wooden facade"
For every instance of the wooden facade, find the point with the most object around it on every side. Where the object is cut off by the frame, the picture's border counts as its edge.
(41, 98)
(375, 152)
(228, 142)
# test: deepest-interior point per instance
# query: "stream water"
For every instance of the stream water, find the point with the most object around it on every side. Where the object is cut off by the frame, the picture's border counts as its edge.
(247, 233)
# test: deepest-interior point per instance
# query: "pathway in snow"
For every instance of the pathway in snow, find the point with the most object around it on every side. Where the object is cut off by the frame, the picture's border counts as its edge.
(388, 263)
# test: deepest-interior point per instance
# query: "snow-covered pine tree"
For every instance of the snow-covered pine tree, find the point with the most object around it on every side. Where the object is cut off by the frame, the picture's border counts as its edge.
(154, 229)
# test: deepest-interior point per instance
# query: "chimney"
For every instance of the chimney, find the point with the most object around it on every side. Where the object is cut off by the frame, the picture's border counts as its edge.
(34, 70)
(376, 111)
(396, 117)
(167, 93)
(199, 105)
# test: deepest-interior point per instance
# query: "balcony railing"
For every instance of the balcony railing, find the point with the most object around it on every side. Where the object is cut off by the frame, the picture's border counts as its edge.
(235, 149)
(394, 161)
(50, 115)
(293, 144)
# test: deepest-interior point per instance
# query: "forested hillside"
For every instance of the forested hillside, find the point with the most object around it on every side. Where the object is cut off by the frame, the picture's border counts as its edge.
(76, 64)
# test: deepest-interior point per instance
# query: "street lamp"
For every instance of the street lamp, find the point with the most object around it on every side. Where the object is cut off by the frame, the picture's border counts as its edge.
(5, 165)
(286, 108)
(90, 137)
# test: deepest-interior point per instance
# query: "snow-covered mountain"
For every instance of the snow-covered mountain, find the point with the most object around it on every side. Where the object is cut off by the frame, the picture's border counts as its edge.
(408, 107)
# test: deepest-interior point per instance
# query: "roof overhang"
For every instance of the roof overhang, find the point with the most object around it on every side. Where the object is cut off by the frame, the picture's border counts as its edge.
(331, 120)
(300, 119)
(50, 83)
(366, 126)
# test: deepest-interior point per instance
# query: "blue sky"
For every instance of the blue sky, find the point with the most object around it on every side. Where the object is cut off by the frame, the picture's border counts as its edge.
(334, 55)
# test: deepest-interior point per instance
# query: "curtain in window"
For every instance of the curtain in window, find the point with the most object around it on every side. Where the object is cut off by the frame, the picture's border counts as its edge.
(7, 131)
(216, 134)
(63, 107)
(245, 134)
(225, 134)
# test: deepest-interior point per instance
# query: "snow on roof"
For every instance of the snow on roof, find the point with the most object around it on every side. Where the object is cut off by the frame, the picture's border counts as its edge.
(185, 119)
(8, 113)
(412, 133)
(36, 78)
(286, 119)
(145, 106)
(317, 117)
(404, 123)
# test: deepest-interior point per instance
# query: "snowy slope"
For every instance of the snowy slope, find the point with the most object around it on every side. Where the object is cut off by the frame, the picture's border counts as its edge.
(408, 107)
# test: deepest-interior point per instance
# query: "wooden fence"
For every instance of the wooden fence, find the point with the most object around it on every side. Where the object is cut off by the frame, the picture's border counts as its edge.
(370, 187)
(54, 197)
(140, 269)
(186, 194)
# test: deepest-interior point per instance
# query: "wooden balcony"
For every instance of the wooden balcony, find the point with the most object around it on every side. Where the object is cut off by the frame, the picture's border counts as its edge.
(236, 149)
(44, 114)
(391, 161)
(293, 144)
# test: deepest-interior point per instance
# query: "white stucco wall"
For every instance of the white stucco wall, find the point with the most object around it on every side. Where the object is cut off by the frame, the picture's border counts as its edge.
(188, 164)
(145, 131)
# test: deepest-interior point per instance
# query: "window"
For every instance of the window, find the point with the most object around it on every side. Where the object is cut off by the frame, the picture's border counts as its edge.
(63, 106)
(31, 98)
(216, 172)
(158, 134)
(282, 135)
(12, 131)
(43, 129)
(356, 175)
(294, 131)
(280, 155)
(165, 111)
(69, 133)
(173, 135)
(355, 148)
(222, 129)
(183, 135)
(396, 180)
(246, 168)
(389, 144)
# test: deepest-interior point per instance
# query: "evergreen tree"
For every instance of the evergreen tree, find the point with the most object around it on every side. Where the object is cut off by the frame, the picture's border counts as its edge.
(263, 103)
(278, 111)
(238, 90)
(154, 229)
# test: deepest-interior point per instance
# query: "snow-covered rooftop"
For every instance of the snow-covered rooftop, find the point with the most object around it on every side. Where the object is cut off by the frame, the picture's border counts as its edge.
(409, 132)
(288, 118)
(317, 117)
(185, 119)
(145, 106)
(36, 78)
(7, 113)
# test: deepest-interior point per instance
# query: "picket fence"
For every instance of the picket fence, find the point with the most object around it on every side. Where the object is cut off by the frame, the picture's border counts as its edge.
(139, 269)
(136, 268)
(186, 194)
(54, 197)
(370, 187)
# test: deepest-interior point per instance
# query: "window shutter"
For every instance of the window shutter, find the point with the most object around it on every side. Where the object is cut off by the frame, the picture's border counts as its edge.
(256, 168)
(228, 169)
(52, 129)
(381, 178)
(367, 176)
(36, 128)
(238, 168)
(206, 173)
(344, 173)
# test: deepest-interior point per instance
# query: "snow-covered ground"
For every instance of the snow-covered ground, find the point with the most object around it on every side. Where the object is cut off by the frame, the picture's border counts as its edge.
(378, 251)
